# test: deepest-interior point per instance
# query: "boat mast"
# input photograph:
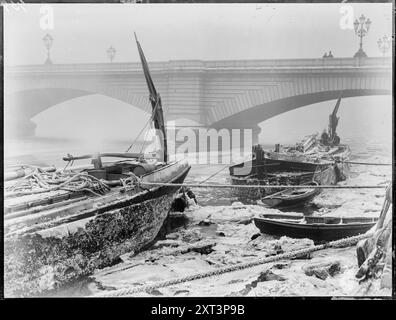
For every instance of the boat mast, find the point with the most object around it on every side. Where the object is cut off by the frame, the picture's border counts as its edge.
(333, 120)
(157, 115)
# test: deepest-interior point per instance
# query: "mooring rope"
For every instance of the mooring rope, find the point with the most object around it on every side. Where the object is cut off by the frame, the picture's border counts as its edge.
(259, 186)
(289, 255)
(366, 163)
(214, 174)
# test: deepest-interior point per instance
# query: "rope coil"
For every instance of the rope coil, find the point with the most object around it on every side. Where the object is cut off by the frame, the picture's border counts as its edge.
(39, 181)
(132, 181)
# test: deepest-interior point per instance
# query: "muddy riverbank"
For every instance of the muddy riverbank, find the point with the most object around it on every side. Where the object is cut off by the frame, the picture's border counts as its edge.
(220, 232)
(218, 236)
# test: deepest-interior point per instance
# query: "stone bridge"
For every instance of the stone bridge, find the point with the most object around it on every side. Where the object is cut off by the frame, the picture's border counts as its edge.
(217, 94)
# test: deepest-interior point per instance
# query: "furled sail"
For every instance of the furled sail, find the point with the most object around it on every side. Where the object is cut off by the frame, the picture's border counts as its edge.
(155, 100)
(333, 120)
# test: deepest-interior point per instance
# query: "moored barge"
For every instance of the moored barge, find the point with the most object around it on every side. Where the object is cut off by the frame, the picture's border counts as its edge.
(61, 225)
(322, 159)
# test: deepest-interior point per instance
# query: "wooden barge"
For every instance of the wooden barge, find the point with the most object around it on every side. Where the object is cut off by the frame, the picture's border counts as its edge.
(320, 159)
(61, 225)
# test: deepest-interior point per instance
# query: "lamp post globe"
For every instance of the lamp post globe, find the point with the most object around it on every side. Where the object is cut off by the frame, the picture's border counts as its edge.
(384, 44)
(362, 27)
(111, 53)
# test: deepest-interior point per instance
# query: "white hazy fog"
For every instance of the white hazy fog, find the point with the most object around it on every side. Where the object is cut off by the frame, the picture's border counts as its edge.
(361, 118)
(82, 33)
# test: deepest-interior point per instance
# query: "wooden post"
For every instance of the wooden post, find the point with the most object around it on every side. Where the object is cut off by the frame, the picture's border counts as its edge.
(259, 161)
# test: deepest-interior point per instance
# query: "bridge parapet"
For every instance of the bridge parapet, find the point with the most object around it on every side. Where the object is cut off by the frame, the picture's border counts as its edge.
(295, 63)
(200, 65)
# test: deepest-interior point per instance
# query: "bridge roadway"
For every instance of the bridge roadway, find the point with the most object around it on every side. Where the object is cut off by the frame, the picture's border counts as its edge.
(216, 94)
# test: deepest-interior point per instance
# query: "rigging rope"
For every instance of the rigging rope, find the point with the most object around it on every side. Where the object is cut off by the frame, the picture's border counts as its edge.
(289, 255)
(149, 121)
(141, 131)
(145, 137)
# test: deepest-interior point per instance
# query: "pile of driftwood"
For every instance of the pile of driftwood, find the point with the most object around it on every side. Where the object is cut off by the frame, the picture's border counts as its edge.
(375, 253)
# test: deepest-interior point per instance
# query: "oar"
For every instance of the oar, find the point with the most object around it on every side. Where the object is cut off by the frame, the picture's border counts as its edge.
(273, 194)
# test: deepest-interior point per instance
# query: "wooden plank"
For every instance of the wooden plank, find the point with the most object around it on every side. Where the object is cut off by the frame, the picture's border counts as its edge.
(56, 212)
(42, 208)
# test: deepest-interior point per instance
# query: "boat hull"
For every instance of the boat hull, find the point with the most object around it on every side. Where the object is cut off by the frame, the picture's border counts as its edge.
(288, 200)
(328, 174)
(45, 259)
(316, 232)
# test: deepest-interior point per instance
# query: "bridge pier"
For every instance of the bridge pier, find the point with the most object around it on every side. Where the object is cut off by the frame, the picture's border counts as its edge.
(256, 130)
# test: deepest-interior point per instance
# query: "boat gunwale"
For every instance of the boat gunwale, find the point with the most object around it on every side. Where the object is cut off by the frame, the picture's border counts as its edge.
(91, 212)
(254, 176)
(345, 149)
(313, 226)
(307, 193)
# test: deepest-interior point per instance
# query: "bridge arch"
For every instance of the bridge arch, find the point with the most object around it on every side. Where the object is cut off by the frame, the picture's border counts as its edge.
(25, 104)
(251, 117)
(220, 94)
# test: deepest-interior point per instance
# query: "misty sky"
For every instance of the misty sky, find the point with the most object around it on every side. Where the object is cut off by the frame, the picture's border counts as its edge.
(82, 34)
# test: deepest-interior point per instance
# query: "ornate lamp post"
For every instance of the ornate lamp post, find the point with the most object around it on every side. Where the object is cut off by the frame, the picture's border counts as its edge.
(111, 53)
(384, 44)
(48, 44)
(362, 27)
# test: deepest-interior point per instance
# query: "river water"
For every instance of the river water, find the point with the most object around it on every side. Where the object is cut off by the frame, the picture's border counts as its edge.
(49, 151)
(230, 229)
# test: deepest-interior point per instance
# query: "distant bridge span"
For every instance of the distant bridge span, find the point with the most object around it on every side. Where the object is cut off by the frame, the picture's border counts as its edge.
(219, 94)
